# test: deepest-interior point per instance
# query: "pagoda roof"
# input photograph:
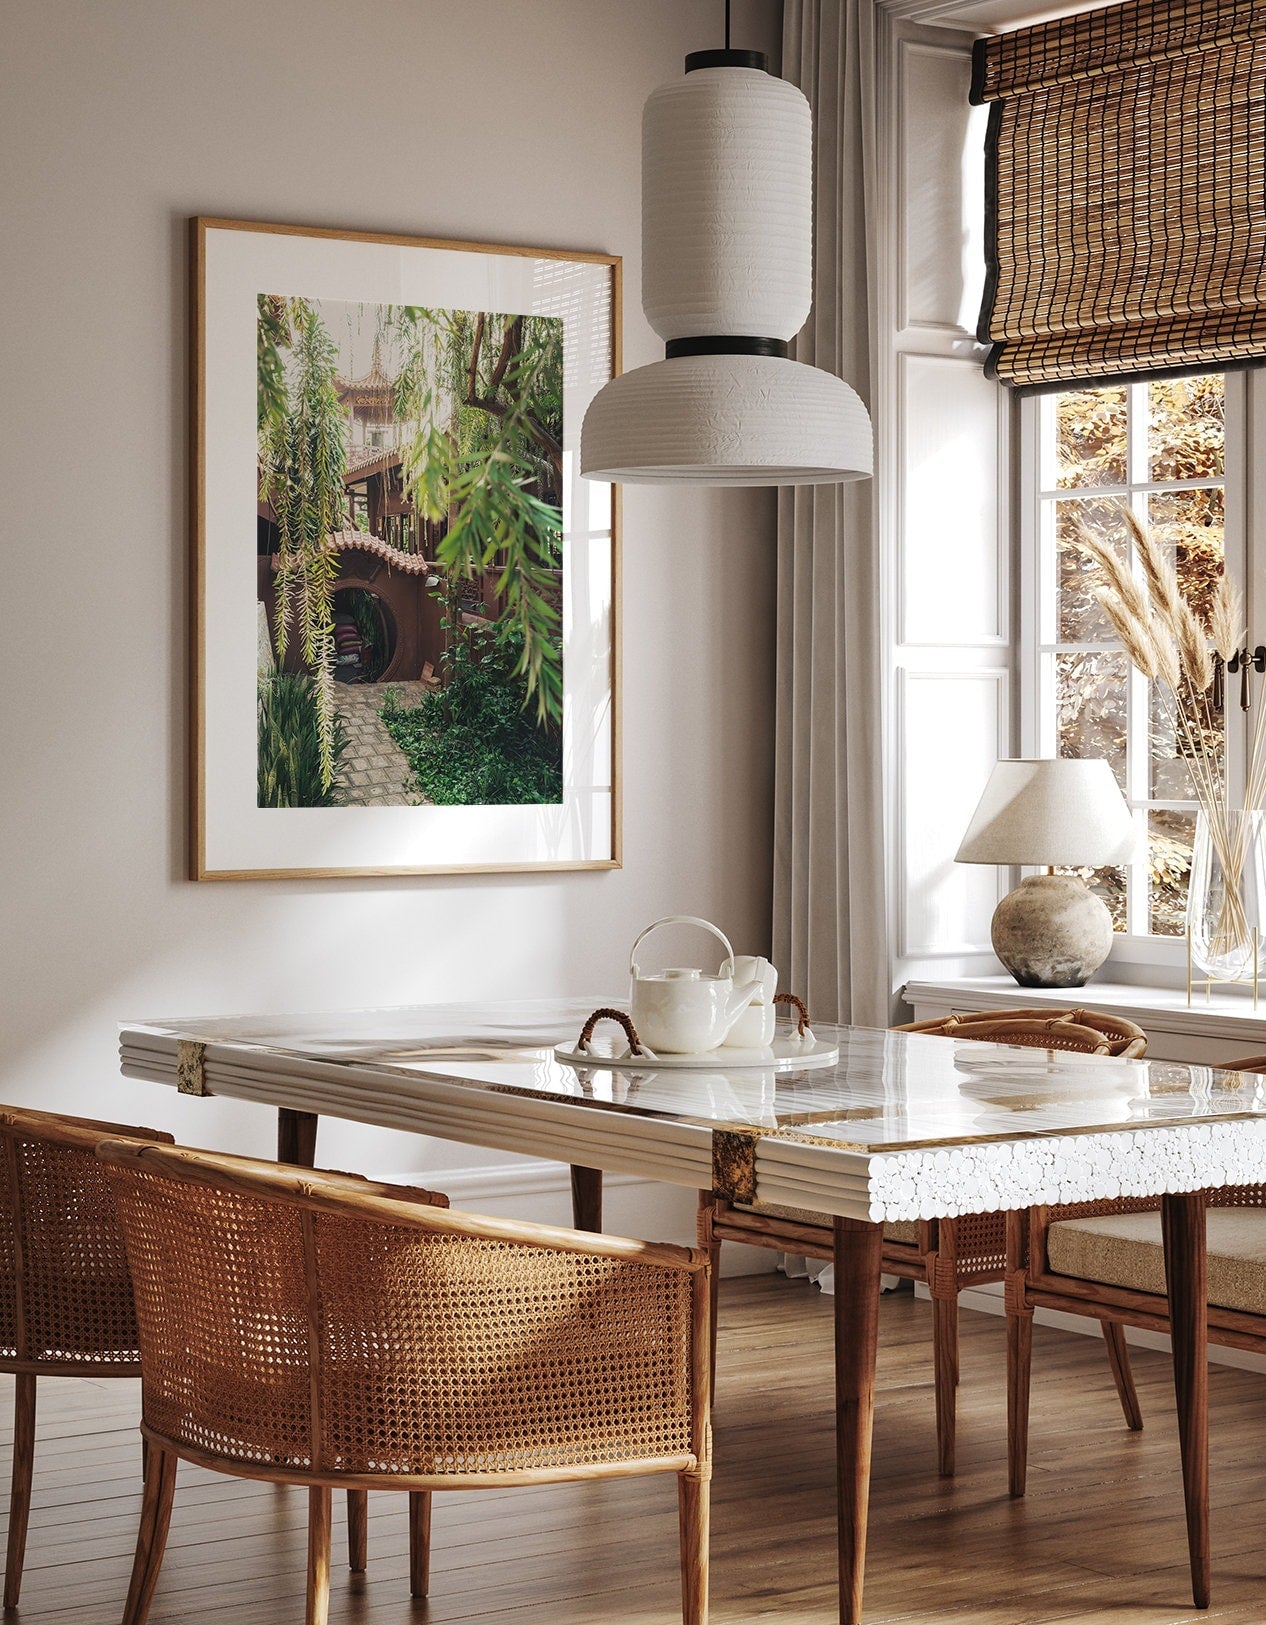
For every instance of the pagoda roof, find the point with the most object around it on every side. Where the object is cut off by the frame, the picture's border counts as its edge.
(365, 460)
(372, 388)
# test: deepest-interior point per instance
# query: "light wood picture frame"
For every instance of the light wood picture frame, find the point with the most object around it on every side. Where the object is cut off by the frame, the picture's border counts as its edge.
(413, 669)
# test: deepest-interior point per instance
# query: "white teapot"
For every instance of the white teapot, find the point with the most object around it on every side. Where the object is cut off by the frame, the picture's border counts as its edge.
(682, 1010)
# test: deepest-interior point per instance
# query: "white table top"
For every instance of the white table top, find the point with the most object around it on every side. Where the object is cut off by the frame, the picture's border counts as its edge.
(902, 1126)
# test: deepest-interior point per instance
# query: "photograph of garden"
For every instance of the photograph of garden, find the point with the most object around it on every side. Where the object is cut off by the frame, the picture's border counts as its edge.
(408, 555)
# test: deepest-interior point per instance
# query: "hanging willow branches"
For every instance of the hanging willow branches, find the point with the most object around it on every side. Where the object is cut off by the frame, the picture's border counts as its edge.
(484, 393)
(303, 456)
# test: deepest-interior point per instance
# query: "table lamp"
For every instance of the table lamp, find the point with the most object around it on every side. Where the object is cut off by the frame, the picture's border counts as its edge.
(1051, 931)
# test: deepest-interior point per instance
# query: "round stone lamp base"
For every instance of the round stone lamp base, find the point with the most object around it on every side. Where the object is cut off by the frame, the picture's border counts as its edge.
(1051, 932)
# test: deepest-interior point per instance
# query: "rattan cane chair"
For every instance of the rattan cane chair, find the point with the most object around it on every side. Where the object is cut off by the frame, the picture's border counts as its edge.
(65, 1295)
(1106, 1261)
(310, 1329)
(948, 1255)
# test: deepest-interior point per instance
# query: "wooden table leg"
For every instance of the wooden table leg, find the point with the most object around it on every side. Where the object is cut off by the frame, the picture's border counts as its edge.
(857, 1261)
(1183, 1231)
(586, 1199)
(296, 1137)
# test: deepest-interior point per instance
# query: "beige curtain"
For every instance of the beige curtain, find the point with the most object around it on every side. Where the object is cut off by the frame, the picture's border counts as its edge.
(830, 914)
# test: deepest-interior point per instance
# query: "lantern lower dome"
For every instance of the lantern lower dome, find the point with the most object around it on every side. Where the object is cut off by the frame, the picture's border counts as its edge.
(726, 419)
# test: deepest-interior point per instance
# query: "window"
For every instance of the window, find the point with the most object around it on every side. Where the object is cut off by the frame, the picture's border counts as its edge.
(1170, 449)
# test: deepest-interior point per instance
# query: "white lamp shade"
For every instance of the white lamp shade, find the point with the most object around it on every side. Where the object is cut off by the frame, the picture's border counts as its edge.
(726, 420)
(727, 205)
(1051, 812)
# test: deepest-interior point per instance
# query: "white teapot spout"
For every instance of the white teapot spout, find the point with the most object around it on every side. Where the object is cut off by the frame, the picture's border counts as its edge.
(753, 1025)
(740, 1000)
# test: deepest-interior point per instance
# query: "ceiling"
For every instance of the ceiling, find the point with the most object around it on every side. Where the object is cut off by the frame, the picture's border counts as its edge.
(997, 16)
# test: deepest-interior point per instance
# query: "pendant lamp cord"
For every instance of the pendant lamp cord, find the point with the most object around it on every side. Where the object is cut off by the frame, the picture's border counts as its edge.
(727, 24)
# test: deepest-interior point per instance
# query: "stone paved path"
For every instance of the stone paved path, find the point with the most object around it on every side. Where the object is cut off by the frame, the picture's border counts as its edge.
(374, 771)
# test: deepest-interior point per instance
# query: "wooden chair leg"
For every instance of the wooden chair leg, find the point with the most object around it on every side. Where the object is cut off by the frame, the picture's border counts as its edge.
(419, 1542)
(945, 1354)
(705, 1237)
(693, 1502)
(151, 1537)
(1122, 1376)
(20, 1495)
(357, 1530)
(318, 1601)
(1019, 1373)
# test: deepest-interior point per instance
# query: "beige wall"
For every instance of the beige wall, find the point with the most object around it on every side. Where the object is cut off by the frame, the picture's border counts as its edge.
(486, 119)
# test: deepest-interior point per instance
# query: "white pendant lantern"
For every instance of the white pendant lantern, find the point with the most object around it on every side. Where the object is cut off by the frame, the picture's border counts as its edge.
(727, 222)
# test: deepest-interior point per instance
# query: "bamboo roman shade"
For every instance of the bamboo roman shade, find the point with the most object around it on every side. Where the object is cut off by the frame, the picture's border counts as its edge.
(1126, 192)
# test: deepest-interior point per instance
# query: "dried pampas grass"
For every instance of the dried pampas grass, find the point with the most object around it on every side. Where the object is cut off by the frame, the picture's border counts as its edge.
(1162, 578)
(1134, 633)
(1117, 575)
(1226, 619)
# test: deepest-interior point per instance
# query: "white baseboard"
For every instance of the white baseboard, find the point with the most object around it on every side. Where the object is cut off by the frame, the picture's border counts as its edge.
(987, 1300)
(534, 1189)
(527, 1177)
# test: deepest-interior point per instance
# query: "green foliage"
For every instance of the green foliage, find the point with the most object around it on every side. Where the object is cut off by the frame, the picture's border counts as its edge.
(303, 453)
(291, 758)
(272, 335)
(472, 744)
(485, 392)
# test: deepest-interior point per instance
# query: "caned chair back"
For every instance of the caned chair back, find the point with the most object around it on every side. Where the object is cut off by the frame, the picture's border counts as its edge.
(1088, 1032)
(65, 1293)
(318, 1327)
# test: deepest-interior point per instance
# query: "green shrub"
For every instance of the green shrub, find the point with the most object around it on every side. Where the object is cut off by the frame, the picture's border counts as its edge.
(473, 744)
(290, 744)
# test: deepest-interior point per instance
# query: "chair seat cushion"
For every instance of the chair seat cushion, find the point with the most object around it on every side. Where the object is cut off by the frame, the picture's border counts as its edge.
(1124, 1249)
(901, 1230)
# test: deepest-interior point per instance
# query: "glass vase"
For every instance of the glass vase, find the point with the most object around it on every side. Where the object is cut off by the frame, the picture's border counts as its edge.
(1226, 901)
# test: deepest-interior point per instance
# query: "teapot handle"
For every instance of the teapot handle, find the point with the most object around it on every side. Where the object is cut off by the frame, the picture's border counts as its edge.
(681, 919)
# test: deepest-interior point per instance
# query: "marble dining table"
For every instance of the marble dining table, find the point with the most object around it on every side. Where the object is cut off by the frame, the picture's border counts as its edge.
(900, 1126)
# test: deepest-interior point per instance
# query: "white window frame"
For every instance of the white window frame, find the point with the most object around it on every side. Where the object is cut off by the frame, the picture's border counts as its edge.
(1036, 562)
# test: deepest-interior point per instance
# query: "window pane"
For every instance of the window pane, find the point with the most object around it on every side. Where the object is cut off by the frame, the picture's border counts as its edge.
(1109, 886)
(1090, 438)
(1081, 617)
(1091, 691)
(1170, 836)
(1133, 438)
(1172, 777)
(1192, 527)
(1186, 428)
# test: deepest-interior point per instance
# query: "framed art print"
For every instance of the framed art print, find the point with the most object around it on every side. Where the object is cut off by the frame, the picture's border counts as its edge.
(405, 597)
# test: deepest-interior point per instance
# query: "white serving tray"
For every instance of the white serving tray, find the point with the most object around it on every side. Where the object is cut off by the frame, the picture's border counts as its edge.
(783, 1055)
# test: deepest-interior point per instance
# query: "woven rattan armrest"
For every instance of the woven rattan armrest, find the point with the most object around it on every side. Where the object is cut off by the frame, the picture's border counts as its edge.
(389, 1204)
(1089, 1031)
(75, 1133)
(394, 1192)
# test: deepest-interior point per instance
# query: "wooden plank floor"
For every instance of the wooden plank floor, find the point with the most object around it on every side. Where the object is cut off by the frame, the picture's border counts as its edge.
(1099, 1540)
